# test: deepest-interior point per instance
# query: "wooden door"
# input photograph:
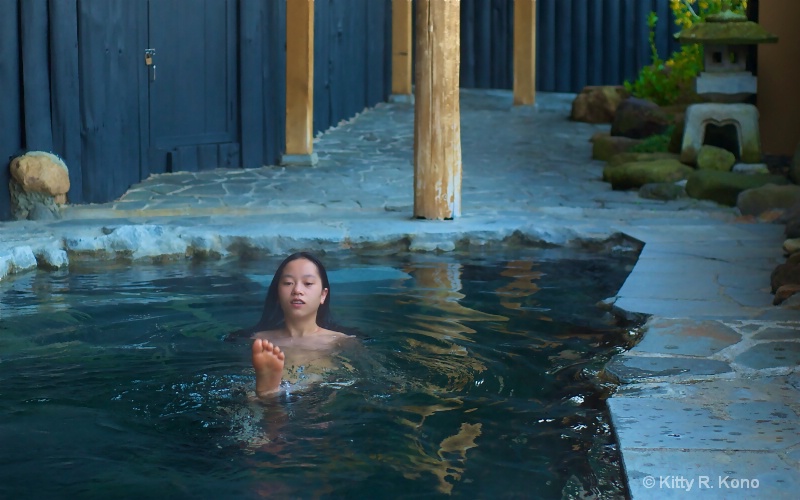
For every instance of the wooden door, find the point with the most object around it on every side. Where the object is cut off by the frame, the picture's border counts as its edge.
(192, 85)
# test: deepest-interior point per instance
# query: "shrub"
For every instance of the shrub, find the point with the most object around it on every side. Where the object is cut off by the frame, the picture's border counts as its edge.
(672, 81)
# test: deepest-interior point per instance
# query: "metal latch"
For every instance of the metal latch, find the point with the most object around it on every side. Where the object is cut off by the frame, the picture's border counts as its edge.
(149, 54)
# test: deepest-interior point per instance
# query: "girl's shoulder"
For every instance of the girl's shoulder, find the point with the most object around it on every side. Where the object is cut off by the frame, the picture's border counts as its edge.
(269, 334)
(335, 334)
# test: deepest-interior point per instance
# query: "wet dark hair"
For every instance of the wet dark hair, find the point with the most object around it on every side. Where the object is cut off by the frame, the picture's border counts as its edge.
(272, 314)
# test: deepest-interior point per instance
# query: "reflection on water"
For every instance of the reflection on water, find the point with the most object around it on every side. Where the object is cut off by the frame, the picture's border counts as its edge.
(473, 378)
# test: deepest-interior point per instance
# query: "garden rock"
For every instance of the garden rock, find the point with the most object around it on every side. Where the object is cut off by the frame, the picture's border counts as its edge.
(769, 197)
(664, 191)
(783, 293)
(637, 174)
(791, 246)
(639, 118)
(597, 104)
(715, 158)
(604, 147)
(39, 183)
(787, 273)
(724, 187)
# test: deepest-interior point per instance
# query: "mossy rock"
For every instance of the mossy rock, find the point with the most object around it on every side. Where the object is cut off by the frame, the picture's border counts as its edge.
(769, 197)
(604, 147)
(630, 157)
(724, 187)
(664, 191)
(715, 158)
(637, 174)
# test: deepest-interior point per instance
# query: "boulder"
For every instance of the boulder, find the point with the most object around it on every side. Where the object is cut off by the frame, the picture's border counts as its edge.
(38, 185)
(664, 191)
(791, 246)
(639, 118)
(637, 174)
(597, 104)
(724, 187)
(715, 158)
(604, 147)
(787, 273)
(40, 172)
(785, 292)
(768, 197)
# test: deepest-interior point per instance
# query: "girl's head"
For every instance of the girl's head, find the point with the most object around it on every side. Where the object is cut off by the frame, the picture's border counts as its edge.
(305, 280)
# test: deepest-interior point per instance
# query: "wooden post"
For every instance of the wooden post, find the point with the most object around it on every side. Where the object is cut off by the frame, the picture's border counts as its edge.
(402, 38)
(437, 127)
(524, 52)
(299, 83)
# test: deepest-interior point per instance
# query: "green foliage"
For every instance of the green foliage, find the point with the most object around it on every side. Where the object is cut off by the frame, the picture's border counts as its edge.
(667, 82)
(655, 143)
(672, 81)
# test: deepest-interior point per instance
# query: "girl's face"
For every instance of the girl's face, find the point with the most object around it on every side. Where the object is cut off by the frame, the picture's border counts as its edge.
(300, 291)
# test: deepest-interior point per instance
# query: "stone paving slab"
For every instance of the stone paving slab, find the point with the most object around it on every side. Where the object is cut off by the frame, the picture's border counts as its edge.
(712, 386)
(710, 431)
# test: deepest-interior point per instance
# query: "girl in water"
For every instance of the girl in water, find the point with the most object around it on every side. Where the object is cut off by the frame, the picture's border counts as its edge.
(295, 338)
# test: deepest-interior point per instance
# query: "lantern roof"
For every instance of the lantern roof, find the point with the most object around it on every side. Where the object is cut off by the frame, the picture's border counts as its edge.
(726, 28)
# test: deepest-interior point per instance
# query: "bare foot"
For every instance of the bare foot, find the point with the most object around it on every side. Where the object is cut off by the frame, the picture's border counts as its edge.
(268, 363)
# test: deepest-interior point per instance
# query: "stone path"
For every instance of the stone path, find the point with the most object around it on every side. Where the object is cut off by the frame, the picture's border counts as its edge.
(710, 394)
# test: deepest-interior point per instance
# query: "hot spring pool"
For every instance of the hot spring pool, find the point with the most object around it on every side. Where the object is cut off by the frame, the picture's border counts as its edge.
(475, 379)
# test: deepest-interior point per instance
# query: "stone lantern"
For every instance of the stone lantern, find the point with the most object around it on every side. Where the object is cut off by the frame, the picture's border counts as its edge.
(725, 85)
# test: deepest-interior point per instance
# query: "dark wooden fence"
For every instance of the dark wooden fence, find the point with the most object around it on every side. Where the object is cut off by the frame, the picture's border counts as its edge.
(578, 42)
(74, 82)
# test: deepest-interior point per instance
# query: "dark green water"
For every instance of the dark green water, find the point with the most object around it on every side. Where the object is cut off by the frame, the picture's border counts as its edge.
(473, 379)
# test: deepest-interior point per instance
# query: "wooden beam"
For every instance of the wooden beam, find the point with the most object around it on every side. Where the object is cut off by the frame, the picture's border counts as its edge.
(402, 39)
(299, 79)
(524, 52)
(437, 127)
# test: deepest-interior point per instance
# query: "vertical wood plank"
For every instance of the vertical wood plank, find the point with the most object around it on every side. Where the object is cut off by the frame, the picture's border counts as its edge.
(10, 106)
(251, 82)
(65, 95)
(524, 52)
(564, 39)
(580, 63)
(595, 39)
(273, 68)
(401, 47)
(437, 128)
(547, 45)
(299, 76)
(36, 75)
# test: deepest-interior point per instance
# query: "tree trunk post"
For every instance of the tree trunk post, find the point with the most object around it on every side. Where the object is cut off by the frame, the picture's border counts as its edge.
(402, 50)
(524, 52)
(299, 83)
(437, 126)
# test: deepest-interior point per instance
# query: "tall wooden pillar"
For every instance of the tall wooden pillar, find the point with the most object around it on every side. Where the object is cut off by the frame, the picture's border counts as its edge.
(524, 52)
(437, 127)
(299, 83)
(402, 39)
